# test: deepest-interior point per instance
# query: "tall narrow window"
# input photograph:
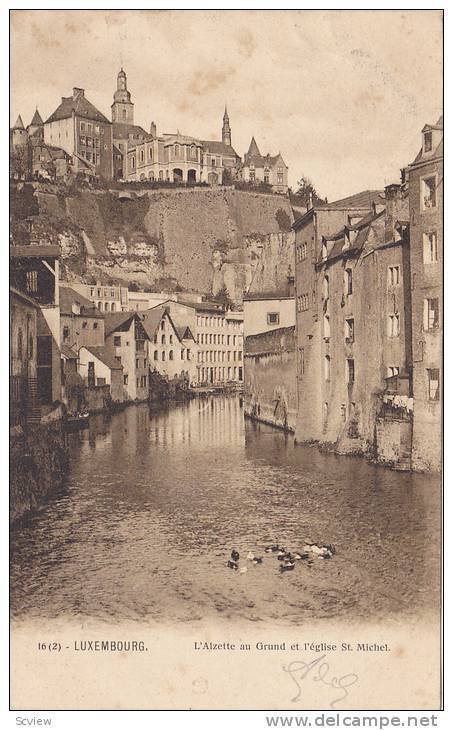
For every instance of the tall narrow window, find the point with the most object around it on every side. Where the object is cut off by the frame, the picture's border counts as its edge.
(326, 287)
(349, 330)
(431, 314)
(393, 275)
(433, 384)
(348, 281)
(326, 326)
(327, 367)
(350, 370)
(430, 255)
(429, 197)
(427, 141)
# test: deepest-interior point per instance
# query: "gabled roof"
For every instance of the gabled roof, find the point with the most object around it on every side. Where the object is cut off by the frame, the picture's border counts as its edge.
(184, 332)
(25, 297)
(115, 320)
(219, 148)
(151, 319)
(69, 296)
(36, 121)
(101, 353)
(81, 106)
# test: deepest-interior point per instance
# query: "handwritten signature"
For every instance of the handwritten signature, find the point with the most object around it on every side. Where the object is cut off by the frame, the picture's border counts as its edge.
(319, 671)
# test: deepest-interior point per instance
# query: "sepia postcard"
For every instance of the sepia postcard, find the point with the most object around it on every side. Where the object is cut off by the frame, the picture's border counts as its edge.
(225, 322)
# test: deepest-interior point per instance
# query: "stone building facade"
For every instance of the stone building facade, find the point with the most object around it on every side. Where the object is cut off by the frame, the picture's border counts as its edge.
(268, 169)
(80, 129)
(425, 184)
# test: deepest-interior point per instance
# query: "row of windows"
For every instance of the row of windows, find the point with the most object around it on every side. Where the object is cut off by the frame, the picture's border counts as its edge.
(215, 356)
(211, 375)
(98, 292)
(217, 339)
(89, 141)
(89, 127)
(184, 354)
(90, 156)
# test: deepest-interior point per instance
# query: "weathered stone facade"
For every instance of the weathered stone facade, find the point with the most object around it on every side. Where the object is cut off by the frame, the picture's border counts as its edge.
(270, 378)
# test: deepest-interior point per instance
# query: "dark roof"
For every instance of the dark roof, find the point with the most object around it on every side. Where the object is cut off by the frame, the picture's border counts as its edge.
(205, 306)
(257, 296)
(25, 297)
(438, 152)
(34, 251)
(115, 320)
(364, 199)
(184, 332)
(69, 296)
(151, 319)
(36, 121)
(219, 148)
(81, 106)
(253, 148)
(124, 130)
(101, 353)
(68, 352)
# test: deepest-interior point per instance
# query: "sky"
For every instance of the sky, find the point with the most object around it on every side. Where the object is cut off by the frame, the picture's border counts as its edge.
(343, 95)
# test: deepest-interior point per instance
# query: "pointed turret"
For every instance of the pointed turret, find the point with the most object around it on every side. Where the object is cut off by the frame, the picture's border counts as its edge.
(19, 123)
(36, 121)
(226, 129)
(253, 149)
(36, 126)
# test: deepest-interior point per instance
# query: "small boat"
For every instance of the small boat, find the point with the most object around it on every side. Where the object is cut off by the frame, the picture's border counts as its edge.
(77, 421)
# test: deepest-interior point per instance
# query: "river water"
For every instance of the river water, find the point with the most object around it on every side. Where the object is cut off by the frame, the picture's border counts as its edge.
(156, 499)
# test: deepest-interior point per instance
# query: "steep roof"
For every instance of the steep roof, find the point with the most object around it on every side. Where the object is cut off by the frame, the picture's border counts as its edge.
(69, 296)
(253, 149)
(151, 319)
(19, 123)
(68, 352)
(81, 106)
(34, 251)
(121, 130)
(36, 121)
(101, 353)
(219, 148)
(115, 320)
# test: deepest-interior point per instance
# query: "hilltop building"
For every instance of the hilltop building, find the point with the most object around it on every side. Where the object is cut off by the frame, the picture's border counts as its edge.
(268, 169)
(80, 129)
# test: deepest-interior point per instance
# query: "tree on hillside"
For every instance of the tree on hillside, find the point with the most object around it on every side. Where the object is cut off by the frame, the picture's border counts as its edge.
(306, 193)
(223, 297)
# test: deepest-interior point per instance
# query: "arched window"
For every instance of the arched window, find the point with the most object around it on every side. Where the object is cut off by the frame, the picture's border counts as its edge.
(193, 151)
(171, 339)
(151, 175)
(150, 153)
(113, 307)
(170, 355)
(156, 355)
(162, 339)
(124, 114)
(176, 150)
(163, 355)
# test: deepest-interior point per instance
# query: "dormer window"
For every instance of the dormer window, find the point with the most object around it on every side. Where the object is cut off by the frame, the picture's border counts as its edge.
(427, 142)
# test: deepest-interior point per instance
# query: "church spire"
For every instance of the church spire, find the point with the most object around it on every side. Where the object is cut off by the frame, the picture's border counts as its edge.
(226, 129)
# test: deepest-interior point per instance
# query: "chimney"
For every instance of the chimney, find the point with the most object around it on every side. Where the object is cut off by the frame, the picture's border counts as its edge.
(77, 93)
(393, 195)
(153, 130)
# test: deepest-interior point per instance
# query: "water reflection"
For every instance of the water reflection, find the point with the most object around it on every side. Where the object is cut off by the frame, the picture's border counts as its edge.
(156, 499)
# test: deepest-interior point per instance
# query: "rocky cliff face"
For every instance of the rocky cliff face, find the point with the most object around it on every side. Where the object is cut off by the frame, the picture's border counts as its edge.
(200, 239)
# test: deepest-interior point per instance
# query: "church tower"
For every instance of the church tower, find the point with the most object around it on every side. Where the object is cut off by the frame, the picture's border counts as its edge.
(226, 129)
(122, 107)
